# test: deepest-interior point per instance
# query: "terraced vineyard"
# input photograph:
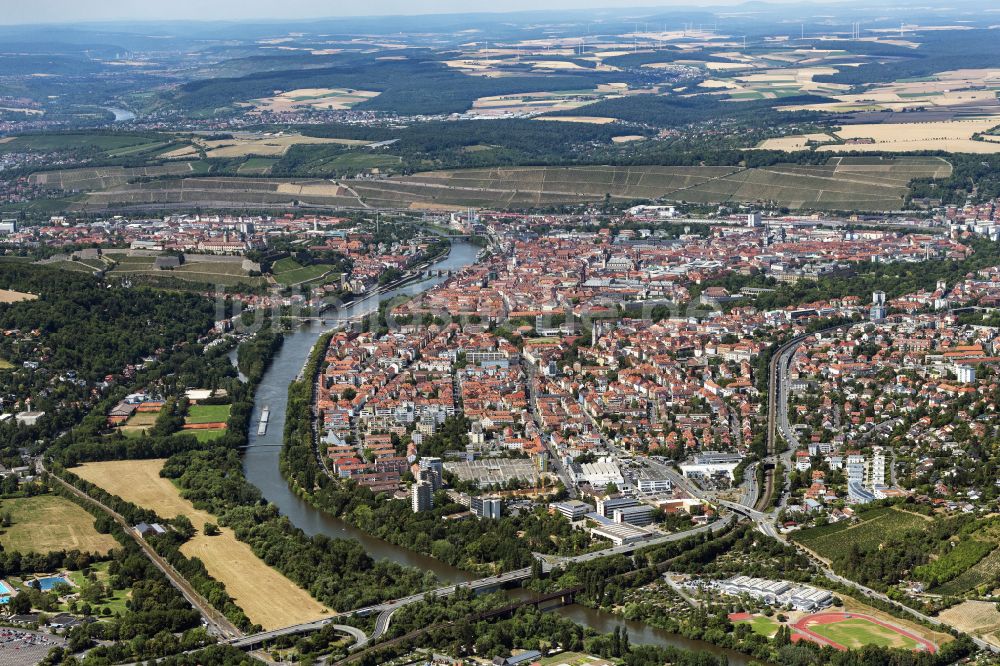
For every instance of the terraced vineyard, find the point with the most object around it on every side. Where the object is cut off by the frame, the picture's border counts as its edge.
(533, 186)
(876, 527)
(223, 192)
(841, 184)
(100, 178)
(868, 184)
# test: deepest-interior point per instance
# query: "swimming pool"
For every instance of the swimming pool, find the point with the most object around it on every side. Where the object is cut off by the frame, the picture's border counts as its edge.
(47, 583)
(5, 592)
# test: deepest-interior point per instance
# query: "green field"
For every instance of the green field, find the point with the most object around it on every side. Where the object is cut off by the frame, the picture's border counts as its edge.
(208, 414)
(114, 602)
(876, 526)
(206, 435)
(75, 141)
(99, 178)
(868, 184)
(5, 364)
(47, 523)
(209, 271)
(257, 166)
(762, 625)
(857, 632)
(204, 191)
(288, 272)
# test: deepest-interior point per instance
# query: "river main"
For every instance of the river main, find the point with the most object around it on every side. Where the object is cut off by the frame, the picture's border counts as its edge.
(260, 465)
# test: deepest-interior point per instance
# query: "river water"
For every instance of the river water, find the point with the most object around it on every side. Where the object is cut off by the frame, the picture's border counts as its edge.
(260, 464)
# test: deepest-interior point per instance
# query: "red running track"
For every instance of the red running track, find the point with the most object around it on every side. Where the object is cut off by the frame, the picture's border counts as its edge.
(832, 618)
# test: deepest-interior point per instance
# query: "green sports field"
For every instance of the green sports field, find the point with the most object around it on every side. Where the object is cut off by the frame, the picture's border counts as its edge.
(857, 632)
(208, 414)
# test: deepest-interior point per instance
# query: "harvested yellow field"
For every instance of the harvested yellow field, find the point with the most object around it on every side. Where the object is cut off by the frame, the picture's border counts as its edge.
(717, 83)
(949, 135)
(315, 188)
(590, 120)
(266, 596)
(979, 618)
(793, 142)
(266, 145)
(628, 138)
(333, 99)
(554, 64)
(8, 296)
(722, 66)
(178, 153)
(48, 523)
(945, 89)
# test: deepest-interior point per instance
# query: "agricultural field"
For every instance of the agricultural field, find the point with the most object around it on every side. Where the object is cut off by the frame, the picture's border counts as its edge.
(775, 83)
(47, 523)
(235, 192)
(873, 184)
(590, 120)
(331, 99)
(266, 596)
(876, 526)
(978, 618)
(256, 166)
(76, 141)
(960, 91)
(948, 135)
(841, 184)
(99, 178)
(264, 145)
(547, 102)
(9, 296)
(984, 572)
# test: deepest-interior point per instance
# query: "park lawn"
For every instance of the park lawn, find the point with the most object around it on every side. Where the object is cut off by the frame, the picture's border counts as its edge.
(285, 265)
(206, 435)
(115, 602)
(854, 633)
(208, 414)
(304, 274)
(47, 523)
(765, 626)
(266, 596)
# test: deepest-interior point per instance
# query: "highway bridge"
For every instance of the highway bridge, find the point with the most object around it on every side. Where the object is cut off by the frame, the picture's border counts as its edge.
(383, 611)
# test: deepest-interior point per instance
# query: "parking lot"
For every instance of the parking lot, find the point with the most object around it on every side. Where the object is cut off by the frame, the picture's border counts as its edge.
(494, 472)
(19, 647)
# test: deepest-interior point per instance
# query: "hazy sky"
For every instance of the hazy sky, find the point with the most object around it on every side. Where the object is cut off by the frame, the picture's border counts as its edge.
(65, 11)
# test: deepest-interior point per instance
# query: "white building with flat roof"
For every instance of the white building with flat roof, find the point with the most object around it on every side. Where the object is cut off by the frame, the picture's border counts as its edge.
(777, 592)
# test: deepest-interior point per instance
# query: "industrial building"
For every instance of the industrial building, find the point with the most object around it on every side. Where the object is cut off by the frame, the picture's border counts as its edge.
(777, 592)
